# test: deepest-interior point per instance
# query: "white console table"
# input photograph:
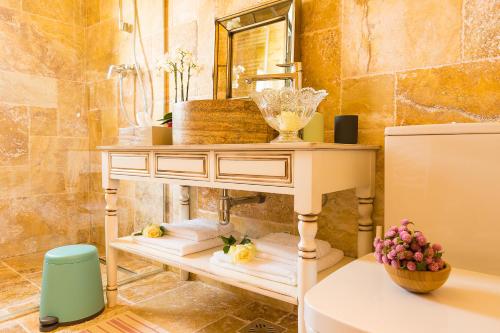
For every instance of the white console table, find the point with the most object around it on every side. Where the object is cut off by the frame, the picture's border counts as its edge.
(304, 170)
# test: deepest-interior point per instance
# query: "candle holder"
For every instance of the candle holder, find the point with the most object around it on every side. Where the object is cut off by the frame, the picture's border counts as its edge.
(288, 110)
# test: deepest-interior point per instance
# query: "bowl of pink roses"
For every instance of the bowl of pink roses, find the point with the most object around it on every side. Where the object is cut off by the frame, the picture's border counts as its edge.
(411, 261)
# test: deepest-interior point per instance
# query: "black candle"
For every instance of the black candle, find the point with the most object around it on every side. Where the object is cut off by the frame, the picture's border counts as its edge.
(346, 129)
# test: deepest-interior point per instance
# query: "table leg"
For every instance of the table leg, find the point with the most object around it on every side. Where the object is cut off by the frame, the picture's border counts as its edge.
(111, 230)
(307, 272)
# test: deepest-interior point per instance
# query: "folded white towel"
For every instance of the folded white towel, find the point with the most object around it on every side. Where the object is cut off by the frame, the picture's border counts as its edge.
(333, 257)
(272, 270)
(179, 246)
(262, 268)
(284, 246)
(197, 229)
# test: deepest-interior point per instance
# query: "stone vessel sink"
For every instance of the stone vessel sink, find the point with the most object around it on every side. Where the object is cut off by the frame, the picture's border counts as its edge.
(219, 121)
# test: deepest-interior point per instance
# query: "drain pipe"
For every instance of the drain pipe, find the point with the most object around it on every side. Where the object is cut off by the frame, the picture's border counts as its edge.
(226, 202)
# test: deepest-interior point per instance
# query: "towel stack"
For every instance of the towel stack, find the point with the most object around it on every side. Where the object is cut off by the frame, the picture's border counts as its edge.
(188, 237)
(276, 258)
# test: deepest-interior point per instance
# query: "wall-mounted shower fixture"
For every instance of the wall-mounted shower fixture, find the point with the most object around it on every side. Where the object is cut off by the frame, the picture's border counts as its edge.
(122, 70)
(123, 26)
(226, 202)
(136, 117)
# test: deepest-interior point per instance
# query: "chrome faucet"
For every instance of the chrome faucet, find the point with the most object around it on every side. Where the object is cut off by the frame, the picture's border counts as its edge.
(295, 75)
(121, 70)
(226, 202)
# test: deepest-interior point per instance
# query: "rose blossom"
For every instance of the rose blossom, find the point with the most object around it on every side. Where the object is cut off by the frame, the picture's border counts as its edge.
(405, 236)
(437, 247)
(421, 240)
(411, 265)
(418, 256)
(433, 266)
(390, 234)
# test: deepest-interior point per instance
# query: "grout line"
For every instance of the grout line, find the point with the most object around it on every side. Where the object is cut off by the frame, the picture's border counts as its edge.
(489, 59)
(341, 93)
(394, 101)
(462, 32)
(22, 276)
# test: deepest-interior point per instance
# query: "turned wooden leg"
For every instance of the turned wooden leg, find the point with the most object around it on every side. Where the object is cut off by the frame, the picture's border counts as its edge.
(111, 230)
(184, 215)
(365, 226)
(184, 202)
(307, 272)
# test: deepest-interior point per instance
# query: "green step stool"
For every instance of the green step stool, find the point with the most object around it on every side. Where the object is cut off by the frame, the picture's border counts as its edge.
(71, 286)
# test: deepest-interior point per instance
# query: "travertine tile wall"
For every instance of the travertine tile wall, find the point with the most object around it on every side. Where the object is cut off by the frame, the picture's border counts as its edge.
(394, 62)
(105, 45)
(44, 161)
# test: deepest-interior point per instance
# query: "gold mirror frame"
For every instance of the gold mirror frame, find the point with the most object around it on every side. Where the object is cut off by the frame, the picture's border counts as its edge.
(222, 84)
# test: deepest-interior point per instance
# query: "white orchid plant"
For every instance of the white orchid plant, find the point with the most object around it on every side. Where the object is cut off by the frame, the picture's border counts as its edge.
(182, 65)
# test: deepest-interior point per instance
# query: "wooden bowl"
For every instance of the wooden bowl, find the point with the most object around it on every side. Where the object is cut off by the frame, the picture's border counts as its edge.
(420, 282)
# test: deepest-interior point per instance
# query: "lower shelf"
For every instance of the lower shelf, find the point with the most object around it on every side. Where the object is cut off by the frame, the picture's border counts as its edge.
(198, 263)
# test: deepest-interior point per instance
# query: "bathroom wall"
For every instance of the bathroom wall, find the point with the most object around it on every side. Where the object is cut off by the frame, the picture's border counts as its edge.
(394, 62)
(44, 162)
(105, 44)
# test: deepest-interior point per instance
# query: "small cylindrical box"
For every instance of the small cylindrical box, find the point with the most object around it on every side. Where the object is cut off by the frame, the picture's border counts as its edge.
(346, 129)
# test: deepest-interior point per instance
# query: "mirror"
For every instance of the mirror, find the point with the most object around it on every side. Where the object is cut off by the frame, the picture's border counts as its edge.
(254, 42)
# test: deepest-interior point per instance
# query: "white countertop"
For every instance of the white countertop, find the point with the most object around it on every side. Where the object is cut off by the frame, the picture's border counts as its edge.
(249, 146)
(361, 297)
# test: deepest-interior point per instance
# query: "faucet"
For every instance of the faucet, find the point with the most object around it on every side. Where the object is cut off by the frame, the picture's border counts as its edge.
(295, 75)
(122, 69)
(226, 202)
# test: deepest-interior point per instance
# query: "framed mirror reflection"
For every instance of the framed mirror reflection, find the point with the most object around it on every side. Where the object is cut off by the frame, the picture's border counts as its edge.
(254, 47)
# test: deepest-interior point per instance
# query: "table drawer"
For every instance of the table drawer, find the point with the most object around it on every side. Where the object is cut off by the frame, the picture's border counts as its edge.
(267, 168)
(129, 163)
(182, 165)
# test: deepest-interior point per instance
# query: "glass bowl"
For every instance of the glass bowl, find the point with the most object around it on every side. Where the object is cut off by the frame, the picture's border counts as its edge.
(288, 110)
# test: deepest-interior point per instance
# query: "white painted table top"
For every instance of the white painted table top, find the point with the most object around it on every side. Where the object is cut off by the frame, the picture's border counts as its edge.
(361, 297)
(249, 146)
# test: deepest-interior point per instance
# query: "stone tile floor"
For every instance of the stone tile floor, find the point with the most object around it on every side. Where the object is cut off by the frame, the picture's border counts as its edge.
(162, 298)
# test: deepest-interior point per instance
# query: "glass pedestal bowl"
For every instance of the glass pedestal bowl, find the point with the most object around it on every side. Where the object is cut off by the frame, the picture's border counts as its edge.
(288, 110)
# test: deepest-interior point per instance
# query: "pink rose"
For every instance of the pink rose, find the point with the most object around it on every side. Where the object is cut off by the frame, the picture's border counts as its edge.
(392, 254)
(390, 234)
(405, 222)
(402, 228)
(395, 264)
(405, 236)
(411, 266)
(419, 256)
(385, 260)
(437, 247)
(433, 267)
(430, 252)
(414, 246)
(408, 255)
(401, 255)
(379, 247)
(428, 260)
(387, 242)
(400, 248)
(421, 240)
(378, 257)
